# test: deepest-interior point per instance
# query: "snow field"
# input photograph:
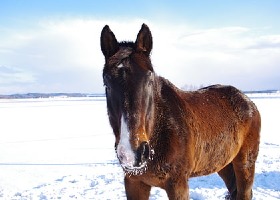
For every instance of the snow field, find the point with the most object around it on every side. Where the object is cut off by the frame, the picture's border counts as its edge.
(64, 149)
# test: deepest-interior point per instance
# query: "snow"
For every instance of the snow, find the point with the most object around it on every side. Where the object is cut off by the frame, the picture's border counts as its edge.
(63, 148)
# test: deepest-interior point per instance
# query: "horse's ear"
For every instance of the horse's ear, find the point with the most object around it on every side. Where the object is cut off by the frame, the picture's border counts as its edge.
(144, 41)
(108, 42)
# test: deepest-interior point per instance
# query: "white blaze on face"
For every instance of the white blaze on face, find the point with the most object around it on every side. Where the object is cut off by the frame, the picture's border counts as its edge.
(120, 65)
(124, 150)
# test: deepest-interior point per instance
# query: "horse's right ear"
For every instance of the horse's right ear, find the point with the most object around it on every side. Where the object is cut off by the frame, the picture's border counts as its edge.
(108, 42)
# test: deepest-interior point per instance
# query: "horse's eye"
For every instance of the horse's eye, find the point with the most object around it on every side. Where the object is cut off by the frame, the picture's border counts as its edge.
(107, 77)
(150, 79)
(108, 89)
(149, 73)
(107, 80)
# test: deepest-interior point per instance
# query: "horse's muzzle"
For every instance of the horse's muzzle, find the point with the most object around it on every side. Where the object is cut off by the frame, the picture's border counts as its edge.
(135, 162)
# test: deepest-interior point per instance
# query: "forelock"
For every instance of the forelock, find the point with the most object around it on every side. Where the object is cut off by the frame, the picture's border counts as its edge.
(123, 52)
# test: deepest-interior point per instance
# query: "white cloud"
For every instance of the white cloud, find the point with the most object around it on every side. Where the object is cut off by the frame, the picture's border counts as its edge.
(65, 55)
(222, 55)
(9, 75)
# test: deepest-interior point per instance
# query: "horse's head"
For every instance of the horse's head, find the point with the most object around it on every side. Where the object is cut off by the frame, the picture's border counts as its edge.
(129, 77)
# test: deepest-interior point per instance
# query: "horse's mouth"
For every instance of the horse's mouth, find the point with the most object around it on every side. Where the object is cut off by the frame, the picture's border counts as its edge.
(138, 170)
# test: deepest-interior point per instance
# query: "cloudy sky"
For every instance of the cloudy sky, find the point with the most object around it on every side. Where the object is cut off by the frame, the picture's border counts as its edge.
(53, 46)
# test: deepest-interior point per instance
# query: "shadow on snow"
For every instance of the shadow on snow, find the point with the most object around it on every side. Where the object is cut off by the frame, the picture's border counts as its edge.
(266, 180)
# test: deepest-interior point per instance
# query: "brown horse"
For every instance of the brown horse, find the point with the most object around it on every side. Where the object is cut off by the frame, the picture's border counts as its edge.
(164, 135)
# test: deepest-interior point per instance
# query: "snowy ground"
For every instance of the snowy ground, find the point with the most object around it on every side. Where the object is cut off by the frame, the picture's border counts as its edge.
(63, 149)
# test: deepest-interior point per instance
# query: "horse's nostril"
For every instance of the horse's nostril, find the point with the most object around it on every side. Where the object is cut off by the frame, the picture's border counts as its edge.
(143, 153)
(146, 150)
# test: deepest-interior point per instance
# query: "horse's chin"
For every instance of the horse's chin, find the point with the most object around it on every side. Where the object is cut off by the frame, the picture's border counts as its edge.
(135, 170)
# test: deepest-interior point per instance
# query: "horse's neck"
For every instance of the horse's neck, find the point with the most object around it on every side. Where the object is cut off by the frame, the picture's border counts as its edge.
(170, 108)
(168, 97)
(167, 90)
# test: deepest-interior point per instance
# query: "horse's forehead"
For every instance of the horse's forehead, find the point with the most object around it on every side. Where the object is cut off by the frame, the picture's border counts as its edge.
(118, 57)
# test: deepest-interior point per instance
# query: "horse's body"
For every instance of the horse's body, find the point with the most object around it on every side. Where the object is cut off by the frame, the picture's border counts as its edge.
(165, 136)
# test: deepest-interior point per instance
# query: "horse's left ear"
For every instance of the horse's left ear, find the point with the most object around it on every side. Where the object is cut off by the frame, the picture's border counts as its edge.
(144, 41)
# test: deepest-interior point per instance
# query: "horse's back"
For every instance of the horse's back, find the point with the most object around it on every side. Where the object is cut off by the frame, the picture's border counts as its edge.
(221, 120)
(241, 104)
(222, 99)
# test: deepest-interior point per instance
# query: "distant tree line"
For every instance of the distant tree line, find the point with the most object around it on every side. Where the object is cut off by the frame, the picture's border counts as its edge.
(47, 95)
(191, 87)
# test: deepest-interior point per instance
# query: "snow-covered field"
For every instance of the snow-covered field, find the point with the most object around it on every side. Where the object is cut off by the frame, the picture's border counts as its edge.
(62, 148)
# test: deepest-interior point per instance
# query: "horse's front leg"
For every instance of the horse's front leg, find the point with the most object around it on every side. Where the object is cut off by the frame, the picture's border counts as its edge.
(177, 188)
(136, 189)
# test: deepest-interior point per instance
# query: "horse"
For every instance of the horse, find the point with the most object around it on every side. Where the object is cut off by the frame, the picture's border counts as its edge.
(164, 136)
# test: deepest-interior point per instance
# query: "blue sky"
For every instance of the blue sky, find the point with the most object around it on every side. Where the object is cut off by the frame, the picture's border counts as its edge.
(53, 46)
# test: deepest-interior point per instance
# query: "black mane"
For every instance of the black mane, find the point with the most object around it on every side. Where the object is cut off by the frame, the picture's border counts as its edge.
(127, 44)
